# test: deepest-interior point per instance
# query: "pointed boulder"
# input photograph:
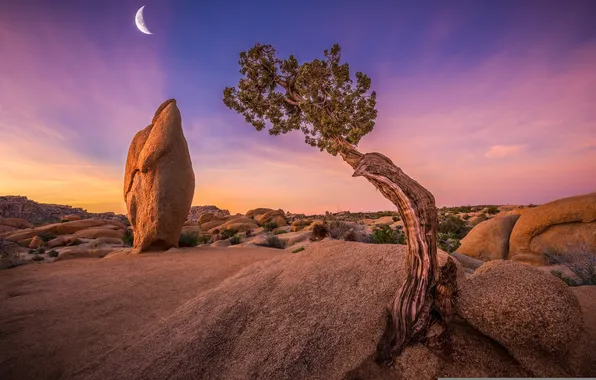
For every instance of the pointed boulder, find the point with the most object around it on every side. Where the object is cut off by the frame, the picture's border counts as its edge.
(159, 181)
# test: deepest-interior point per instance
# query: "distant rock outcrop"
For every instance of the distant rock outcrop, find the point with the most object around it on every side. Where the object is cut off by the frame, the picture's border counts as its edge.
(41, 213)
(196, 212)
(159, 181)
(563, 227)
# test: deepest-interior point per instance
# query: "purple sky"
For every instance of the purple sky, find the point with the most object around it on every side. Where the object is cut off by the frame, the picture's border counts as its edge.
(481, 104)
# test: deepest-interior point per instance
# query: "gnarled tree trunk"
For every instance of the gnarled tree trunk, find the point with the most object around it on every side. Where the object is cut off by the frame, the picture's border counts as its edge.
(411, 313)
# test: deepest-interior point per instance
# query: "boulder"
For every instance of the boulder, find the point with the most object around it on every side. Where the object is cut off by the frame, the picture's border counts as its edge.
(70, 218)
(466, 261)
(205, 218)
(197, 212)
(15, 223)
(212, 224)
(84, 251)
(563, 227)
(159, 181)
(533, 314)
(257, 211)
(274, 216)
(95, 233)
(489, 240)
(36, 242)
(58, 242)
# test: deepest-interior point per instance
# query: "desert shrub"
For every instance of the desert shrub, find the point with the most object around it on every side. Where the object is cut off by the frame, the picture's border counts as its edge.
(448, 242)
(396, 218)
(53, 253)
(492, 210)
(235, 240)
(38, 258)
(581, 263)
(226, 234)
(273, 242)
(8, 258)
(462, 209)
(248, 233)
(384, 234)
(298, 250)
(466, 217)
(128, 238)
(319, 232)
(47, 236)
(269, 226)
(567, 280)
(126, 222)
(37, 251)
(188, 239)
(204, 239)
(338, 230)
(279, 232)
(453, 225)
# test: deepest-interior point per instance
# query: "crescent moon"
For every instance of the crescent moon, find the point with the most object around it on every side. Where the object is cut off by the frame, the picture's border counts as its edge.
(140, 21)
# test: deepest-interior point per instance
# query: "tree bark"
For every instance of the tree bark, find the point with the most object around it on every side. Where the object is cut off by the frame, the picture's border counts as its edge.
(411, 313)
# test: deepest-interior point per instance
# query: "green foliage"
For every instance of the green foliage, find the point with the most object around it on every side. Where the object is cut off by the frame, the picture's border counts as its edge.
(451, 224)
(235, 240)
(47, 236)
(567, 280)
(492, 210)
(396, 218)
(204, 239)
(273, 242)
(384, 234)
(298, 250)
(269, 226)
(53, 253)
(226, 234)
(37, 251)
(38, 258)
(128, 238)
(448, 242)
(188, 239)
(280, 232)
(318, 98)
(461, 209)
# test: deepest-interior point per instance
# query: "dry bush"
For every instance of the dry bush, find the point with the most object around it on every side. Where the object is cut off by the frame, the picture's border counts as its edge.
(581, 263)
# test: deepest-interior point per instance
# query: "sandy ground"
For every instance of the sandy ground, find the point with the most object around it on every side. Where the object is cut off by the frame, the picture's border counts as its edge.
(59, 316)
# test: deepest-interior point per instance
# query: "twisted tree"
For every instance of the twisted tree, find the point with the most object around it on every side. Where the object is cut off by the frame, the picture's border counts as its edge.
(320, 99)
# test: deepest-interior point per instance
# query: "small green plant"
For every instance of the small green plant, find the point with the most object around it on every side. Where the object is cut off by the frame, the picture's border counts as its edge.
(466, 217)
(270, 226)
(298, 250)
(226, 234)
(37, 251)
(38, 258)
(492, 210)
(567, 280)
(396, 219)
(188, 239)
(47, 236)
(53, 253)
(128, 238)
(384, 234)
(273, 242)
(448, 242)
(204, 239)
(79, 242)
(235, 240)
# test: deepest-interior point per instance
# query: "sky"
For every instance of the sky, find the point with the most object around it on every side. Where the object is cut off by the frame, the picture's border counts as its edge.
(482, 102)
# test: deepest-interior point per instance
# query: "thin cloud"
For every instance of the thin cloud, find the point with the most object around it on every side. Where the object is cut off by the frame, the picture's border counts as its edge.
(498, 151)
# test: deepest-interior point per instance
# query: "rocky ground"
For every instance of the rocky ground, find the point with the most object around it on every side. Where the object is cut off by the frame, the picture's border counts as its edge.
(303, 294)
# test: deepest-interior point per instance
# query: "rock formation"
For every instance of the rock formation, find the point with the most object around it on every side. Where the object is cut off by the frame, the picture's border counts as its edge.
(489, 240)
(563, 226)
(159, 181)
(196, 212)
(41, 213)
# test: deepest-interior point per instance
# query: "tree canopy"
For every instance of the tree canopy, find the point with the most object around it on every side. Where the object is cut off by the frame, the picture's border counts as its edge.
(318, 98)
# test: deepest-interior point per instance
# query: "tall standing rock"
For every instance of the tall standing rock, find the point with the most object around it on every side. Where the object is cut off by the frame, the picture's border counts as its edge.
(159, 181)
